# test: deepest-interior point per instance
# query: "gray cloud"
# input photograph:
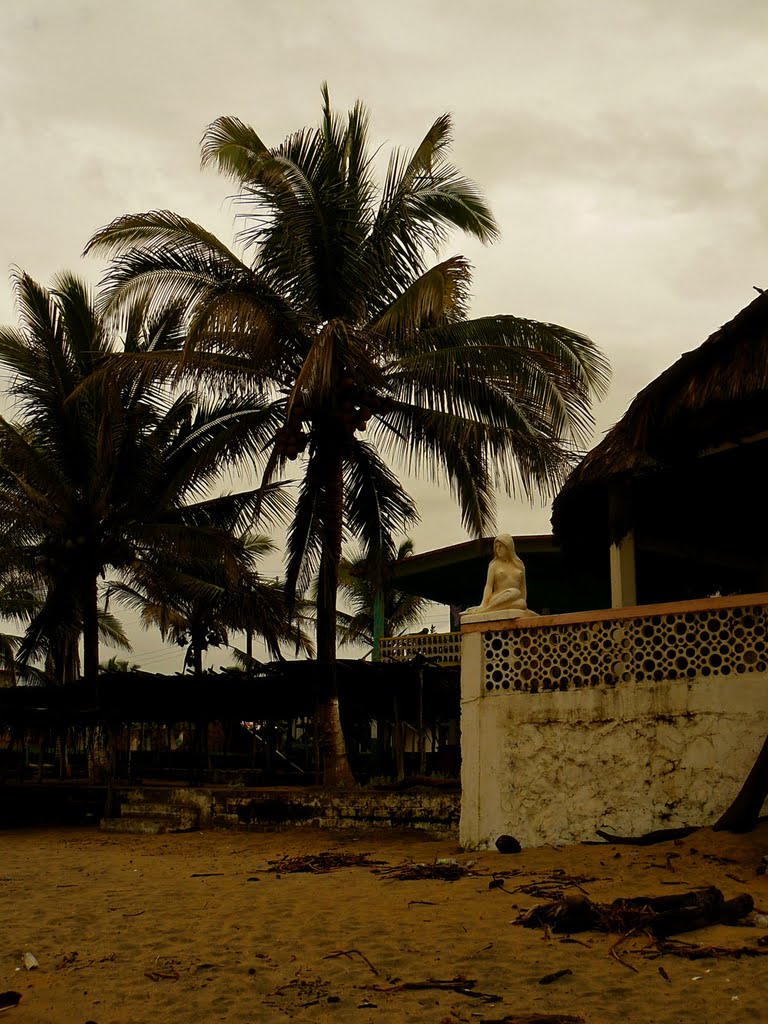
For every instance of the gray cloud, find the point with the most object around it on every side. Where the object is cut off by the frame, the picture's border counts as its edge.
(620, 144)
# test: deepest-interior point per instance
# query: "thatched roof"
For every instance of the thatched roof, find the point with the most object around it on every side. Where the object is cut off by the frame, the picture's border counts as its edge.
(714, 397)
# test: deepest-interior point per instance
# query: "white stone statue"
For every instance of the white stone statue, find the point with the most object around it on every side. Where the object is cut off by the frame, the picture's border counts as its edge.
(506, 593)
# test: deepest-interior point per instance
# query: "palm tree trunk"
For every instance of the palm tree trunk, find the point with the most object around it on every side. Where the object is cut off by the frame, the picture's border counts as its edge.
(745, 810)
(91, 632)
(336, 770)
(200, 743)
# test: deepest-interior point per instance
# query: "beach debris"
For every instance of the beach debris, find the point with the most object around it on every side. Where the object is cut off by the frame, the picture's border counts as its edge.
(165, 969)
(349, 953)
(207, 874)
(664, 975)
(464, 987)
(444, 869)
(691, 951)
(162, 975)
(305, 989)
(659, 915)
(320, 863)
(9, 999)
(507, 844)
(659, 835)
(30, 961)
(549, 978)
(716, 859)
(614, 951)
(552, 885)
(535, 1018)
(71, 961)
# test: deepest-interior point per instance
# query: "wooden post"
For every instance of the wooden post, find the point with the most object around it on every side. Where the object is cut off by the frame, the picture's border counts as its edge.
(422, 738)
(623, 585)
(622, 555)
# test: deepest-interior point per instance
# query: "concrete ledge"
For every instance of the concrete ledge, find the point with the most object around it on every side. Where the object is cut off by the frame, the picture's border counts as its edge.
(433, 811)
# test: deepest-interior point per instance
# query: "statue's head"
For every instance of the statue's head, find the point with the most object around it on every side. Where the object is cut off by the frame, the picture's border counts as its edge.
(504, 547)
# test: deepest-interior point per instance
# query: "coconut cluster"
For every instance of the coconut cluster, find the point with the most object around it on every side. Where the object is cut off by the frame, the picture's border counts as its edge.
(355, 407)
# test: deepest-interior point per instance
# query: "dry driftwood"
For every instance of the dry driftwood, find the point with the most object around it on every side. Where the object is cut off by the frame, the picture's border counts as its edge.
(320, 863)
(659, 915)
(552, 886)
(535, 1018)
(349, 953)
(659, 835)
(446, 871)
(464, 987)
(688, 951)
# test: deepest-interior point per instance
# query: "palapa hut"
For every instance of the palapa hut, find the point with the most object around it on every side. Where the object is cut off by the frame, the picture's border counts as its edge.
(649, 714)
(674, 490)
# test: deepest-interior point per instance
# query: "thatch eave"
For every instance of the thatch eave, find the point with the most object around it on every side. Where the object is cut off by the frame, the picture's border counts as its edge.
(712, 396)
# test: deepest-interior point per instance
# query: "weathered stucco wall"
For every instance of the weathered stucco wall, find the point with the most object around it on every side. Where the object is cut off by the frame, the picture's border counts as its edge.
(549, 766)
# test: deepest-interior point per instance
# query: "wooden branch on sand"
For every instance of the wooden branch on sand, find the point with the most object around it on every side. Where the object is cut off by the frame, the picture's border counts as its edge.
(659, 835)
(661, 916)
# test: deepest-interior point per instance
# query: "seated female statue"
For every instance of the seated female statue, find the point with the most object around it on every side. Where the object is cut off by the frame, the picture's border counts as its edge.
(505, 586)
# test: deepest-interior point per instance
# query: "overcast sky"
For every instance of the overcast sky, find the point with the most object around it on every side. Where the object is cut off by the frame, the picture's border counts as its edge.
(622, 146)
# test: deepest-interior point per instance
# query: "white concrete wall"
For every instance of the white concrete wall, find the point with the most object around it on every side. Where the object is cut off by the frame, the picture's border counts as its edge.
(551, 767)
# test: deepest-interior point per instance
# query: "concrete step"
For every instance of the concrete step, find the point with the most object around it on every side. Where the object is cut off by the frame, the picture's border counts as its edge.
(152, 817)
(188, 817)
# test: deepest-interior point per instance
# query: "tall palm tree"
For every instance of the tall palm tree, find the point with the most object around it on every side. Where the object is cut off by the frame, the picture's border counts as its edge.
(358, 346)
(99, 473)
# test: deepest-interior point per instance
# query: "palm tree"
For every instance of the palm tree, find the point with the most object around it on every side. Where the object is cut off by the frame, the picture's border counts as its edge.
(18, 604)
(99, 473)
(197, 602)
(370, 594)
(341, 325)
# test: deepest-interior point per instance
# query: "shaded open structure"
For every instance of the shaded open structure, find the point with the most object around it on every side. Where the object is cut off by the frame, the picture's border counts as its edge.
(258, 726)
(674, 490)
(650, 713)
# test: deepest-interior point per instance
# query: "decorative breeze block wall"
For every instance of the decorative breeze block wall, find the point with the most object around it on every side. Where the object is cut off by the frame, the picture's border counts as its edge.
(686, 645)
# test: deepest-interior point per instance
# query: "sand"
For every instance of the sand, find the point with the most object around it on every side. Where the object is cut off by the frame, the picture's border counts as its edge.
(194, 928)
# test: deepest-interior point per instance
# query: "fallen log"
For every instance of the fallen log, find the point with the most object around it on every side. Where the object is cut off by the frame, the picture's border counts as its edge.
(660, 915)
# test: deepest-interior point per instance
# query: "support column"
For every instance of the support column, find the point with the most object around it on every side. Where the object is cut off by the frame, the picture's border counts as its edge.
(623, 581)
(622, 558)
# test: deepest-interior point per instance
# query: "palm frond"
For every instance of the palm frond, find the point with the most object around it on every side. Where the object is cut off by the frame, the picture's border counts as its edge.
(234, 148)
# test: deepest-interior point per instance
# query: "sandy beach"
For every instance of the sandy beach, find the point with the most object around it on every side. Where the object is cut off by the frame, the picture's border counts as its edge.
(196, 928)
